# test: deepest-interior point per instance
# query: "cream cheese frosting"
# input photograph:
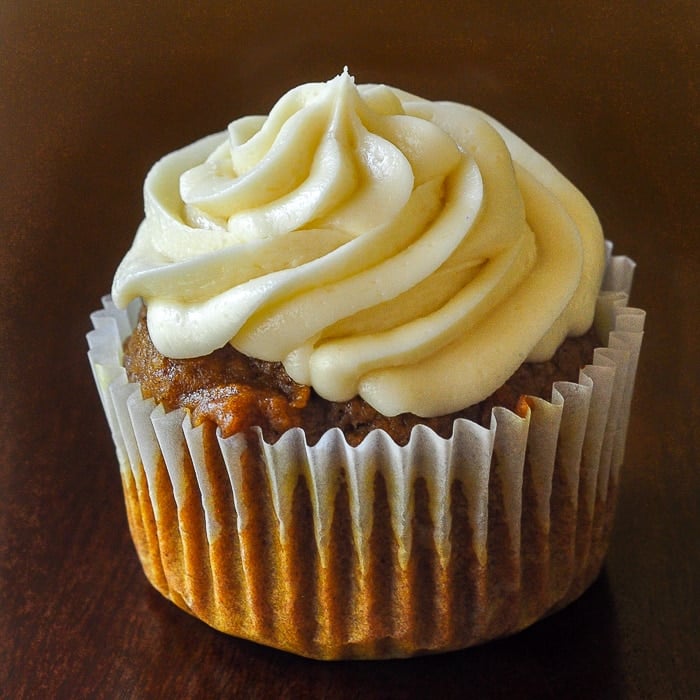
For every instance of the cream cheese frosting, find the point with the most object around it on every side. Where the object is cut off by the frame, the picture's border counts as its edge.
(411, 252)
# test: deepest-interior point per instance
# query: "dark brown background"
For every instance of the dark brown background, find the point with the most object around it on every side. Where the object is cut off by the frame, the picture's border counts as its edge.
(92, 93)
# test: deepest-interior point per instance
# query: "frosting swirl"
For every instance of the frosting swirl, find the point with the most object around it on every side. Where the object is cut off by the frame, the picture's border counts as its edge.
(376, 243)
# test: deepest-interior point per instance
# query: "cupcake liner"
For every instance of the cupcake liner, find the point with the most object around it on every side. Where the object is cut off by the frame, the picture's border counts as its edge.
(378, 550)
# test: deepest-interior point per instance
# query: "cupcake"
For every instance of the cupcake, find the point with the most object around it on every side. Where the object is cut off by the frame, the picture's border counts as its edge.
(368, 368)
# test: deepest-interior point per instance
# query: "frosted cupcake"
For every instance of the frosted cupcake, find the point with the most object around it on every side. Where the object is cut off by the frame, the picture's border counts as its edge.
(368, 368)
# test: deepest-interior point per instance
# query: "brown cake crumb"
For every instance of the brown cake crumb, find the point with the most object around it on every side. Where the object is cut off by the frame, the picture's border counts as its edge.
(238, 392)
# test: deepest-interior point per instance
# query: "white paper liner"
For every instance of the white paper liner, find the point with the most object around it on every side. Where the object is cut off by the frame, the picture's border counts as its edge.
(580, 435)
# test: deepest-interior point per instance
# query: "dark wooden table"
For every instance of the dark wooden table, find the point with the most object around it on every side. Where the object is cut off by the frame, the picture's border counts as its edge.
(92, 93)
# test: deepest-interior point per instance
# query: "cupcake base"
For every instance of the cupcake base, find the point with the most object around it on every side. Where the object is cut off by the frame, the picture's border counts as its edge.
(378, 550)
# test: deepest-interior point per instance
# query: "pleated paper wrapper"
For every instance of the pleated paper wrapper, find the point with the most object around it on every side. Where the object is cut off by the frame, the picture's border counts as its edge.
(379, 550)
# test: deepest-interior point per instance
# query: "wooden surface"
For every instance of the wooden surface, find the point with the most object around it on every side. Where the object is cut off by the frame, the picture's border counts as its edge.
(92, 93)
